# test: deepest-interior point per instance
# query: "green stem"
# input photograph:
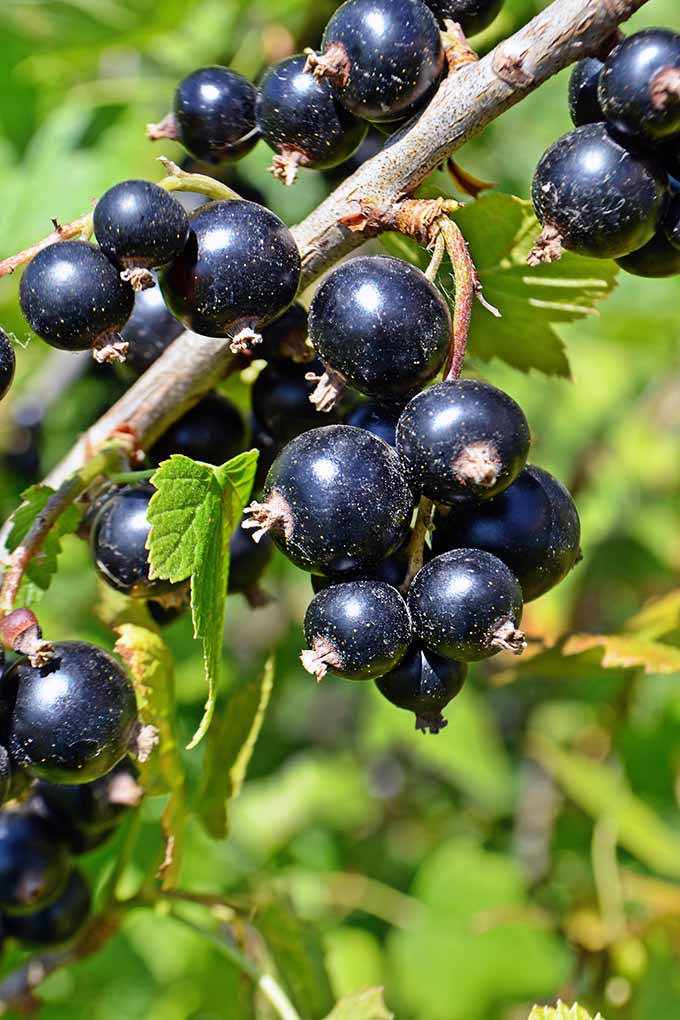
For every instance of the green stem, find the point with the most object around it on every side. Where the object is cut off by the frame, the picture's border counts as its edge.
(130, 477)
(108, 892)
(416, 545)
(265, 982)
(180, 180)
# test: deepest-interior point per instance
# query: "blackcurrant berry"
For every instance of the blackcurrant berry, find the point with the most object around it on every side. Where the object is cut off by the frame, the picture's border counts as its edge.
(638, 88)
(8, 363)
(268, 448)
(473, 16)
(357, 629)
(335, 500)
(380, 322)
(163, 614)
(370, 147)
(74, 716)
(300, 119)
(423, 683)
(215, 114)
(533, 527)
(657, 258)
(88, 808)
(73, 297)
(34, 862)
(118, 540)
(392, 570)
(57, 922)
(239, 270)
(248, 560)
(584, 105)
(212, 432)
(138, 224)
(149, 330)
(384, 57)
(598, 197)
(462, 440)
(466, 605)
(286, 337)
(378, 419)
(280, 399)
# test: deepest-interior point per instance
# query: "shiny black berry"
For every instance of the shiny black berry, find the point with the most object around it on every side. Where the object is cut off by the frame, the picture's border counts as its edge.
(57, 922)
(239, 270)
(533, 526)
(584, 105)
(149, 330)
(335, 500)
(34, 862)
(473, 16)
(74, 716)
(286, 337)
(88, 809)
(8, 363)
(138, 224)
(392, 570)
(384, 57)
(248, 560)
(466, 605)
(300, 119)
(73, 296)
(600, 198)
(423, 683)
(215, 114)
(118, 540)
(212, 431)
(357, 629)
(462, 440)
(280, 399)
(380, 322)
(638, 88)
(378, 419)
(656, 259)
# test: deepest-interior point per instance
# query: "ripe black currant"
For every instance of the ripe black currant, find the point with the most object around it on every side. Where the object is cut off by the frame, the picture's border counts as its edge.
(118, 541)
(73, 297)
(34, 862)
(378, 419)
(139, 225)
(8, 363)
(462, 440)
(638, 88)
(215, 114)
(392, 570)
(335, 500)
(239, 270)
(473, 16)
(533, 527)
(466, 605)
(74, 716)
(87, 808)
(423, 683)
(280, 399)
(300, 119)
(149, 330)
(212, 431)
(584, 105)
(600, 198)
(380, 322)
(286, 337)
(657, 258)
(57, 922)
(268, 448)
(384, 57)
(248, 560)
(356, 629)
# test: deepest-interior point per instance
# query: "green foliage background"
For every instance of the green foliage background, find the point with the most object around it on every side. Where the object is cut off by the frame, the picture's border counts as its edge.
(533, 848)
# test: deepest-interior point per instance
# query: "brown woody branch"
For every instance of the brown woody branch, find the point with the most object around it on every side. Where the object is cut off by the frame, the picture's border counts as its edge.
(466, 102)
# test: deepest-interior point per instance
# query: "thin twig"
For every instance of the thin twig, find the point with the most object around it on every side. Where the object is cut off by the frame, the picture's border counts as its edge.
(437, 256)
(466, 280)
(80, 228)
(416, 546)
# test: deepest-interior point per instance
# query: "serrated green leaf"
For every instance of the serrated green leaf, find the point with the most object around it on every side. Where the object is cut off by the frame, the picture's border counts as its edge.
(600, 791)
(192, 516)
(230, 744)
(562, 1012)
(151, 667)
(297, 952)
(500, 231)
(367, 1005)
(42, 567)
(624, 651)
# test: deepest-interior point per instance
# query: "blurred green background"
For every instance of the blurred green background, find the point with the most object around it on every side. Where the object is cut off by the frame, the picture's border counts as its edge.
(459, 872)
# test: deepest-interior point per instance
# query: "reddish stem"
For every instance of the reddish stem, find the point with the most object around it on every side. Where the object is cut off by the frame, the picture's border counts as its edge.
(467, 284)
(77, 228)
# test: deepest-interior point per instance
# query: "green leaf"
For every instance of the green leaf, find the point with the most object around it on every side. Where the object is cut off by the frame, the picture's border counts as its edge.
(230, 744)
(562, 1012)
(623, 651)
(151, 667)
(600, 791)
(500, 231)
(368, 1005)
(659, 617)
(298, 954)
(43, 565)
(192, 516)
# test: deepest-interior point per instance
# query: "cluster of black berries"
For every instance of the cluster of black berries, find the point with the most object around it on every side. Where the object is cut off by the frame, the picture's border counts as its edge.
(609, 188)
(339, 500)
(44, 897)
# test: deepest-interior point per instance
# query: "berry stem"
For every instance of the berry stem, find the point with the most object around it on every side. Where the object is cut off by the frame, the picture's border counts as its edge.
(80, 228)
(467, 282)
(437, 256)
(181, 180)
(130, 477)
(416, 546)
